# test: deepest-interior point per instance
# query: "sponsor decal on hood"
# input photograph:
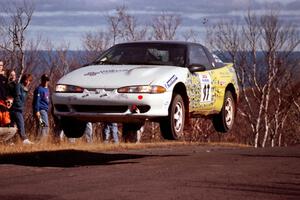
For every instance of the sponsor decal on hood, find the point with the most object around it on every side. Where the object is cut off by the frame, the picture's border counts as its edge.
(107, 71)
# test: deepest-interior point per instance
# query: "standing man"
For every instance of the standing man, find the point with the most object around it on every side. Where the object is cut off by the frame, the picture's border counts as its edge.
(40, 108)
(18, 106)
(89, 132)
(108, 128)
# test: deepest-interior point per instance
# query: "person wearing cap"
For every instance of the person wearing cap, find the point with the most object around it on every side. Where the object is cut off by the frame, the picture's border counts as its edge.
(40, 108)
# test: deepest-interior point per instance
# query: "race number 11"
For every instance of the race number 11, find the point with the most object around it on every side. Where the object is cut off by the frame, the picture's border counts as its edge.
(206, 89)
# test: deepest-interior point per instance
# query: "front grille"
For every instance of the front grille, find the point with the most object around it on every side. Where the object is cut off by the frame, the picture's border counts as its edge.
(99, 109)
(61, 108)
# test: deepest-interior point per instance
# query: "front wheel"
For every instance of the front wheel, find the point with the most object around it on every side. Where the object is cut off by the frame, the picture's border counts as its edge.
(172, 127)
(73, 128)
(223, 121)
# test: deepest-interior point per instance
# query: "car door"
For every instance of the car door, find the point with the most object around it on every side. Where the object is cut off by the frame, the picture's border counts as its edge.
(201, 94)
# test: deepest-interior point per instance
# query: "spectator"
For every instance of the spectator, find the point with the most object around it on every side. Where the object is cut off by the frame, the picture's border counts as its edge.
(139, 132)
(3, 82)
(108, 128)
(11, 82)
(17, 108)
(89, 132)
(40, 108)
(4, 112)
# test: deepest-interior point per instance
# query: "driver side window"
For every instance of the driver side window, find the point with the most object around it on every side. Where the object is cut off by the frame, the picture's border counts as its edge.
(198, 56)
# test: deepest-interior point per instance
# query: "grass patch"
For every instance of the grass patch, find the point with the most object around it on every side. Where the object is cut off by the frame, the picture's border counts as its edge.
(99, 146)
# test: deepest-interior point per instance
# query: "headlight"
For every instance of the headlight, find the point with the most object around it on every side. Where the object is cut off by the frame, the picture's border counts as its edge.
(142, 89)
(68, 88)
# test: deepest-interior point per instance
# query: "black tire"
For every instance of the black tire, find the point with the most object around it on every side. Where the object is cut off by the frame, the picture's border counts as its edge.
(172, 127)
(223, 121)
(130, 130)
(73, 128)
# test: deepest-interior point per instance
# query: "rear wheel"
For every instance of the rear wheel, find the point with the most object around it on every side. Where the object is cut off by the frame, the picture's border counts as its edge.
(172, 127)
(223, 121)
(73, 128)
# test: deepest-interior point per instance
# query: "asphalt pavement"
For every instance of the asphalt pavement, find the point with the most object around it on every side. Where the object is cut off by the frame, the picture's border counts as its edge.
(170, 172)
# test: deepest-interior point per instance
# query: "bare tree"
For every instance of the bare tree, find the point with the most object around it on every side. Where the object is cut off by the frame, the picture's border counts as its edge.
(191, 35)
(94, 44)
(275, 37)
(260, 77)
(15, 23)
(121, 27)
(131, 31)
(285, 105)
(59, 60)
(114, 22)
(225, 36)
(165, 26)
(124, 26)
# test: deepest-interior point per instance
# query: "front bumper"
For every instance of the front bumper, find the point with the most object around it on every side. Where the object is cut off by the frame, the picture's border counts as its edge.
(111, 106)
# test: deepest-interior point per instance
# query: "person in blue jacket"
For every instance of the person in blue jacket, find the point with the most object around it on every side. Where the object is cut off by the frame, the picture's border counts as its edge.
(17, 109)
(41, 107)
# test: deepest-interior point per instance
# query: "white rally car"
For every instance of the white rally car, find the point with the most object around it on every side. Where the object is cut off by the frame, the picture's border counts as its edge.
(164, 81)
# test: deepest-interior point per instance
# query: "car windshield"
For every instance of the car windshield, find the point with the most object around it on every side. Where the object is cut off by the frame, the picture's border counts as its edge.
(145, 54)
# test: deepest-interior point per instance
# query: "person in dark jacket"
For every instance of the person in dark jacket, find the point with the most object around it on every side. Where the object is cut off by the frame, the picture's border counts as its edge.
(11, 82)
(18, 106)
(3, 82)
(41, 107)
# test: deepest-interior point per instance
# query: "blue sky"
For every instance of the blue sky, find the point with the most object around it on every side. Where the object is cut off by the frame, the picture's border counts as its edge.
(68, 20)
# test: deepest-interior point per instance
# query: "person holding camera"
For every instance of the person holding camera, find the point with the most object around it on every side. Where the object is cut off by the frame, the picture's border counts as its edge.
(40, 108)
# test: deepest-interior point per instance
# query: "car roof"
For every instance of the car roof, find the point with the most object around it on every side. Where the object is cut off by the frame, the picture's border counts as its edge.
(162, 42)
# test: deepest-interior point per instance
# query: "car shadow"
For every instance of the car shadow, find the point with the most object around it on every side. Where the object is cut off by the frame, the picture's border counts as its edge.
(67, 158)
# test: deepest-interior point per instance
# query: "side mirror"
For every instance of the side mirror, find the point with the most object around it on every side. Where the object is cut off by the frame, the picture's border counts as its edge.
(196, 68)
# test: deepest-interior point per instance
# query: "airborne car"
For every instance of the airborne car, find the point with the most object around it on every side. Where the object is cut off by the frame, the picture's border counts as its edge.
(163, 81)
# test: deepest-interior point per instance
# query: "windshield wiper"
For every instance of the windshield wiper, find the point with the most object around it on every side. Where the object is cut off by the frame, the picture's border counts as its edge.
(136, 63)
(107, 62)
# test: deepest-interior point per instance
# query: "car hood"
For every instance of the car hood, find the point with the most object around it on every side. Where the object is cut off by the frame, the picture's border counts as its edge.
(115, 76)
